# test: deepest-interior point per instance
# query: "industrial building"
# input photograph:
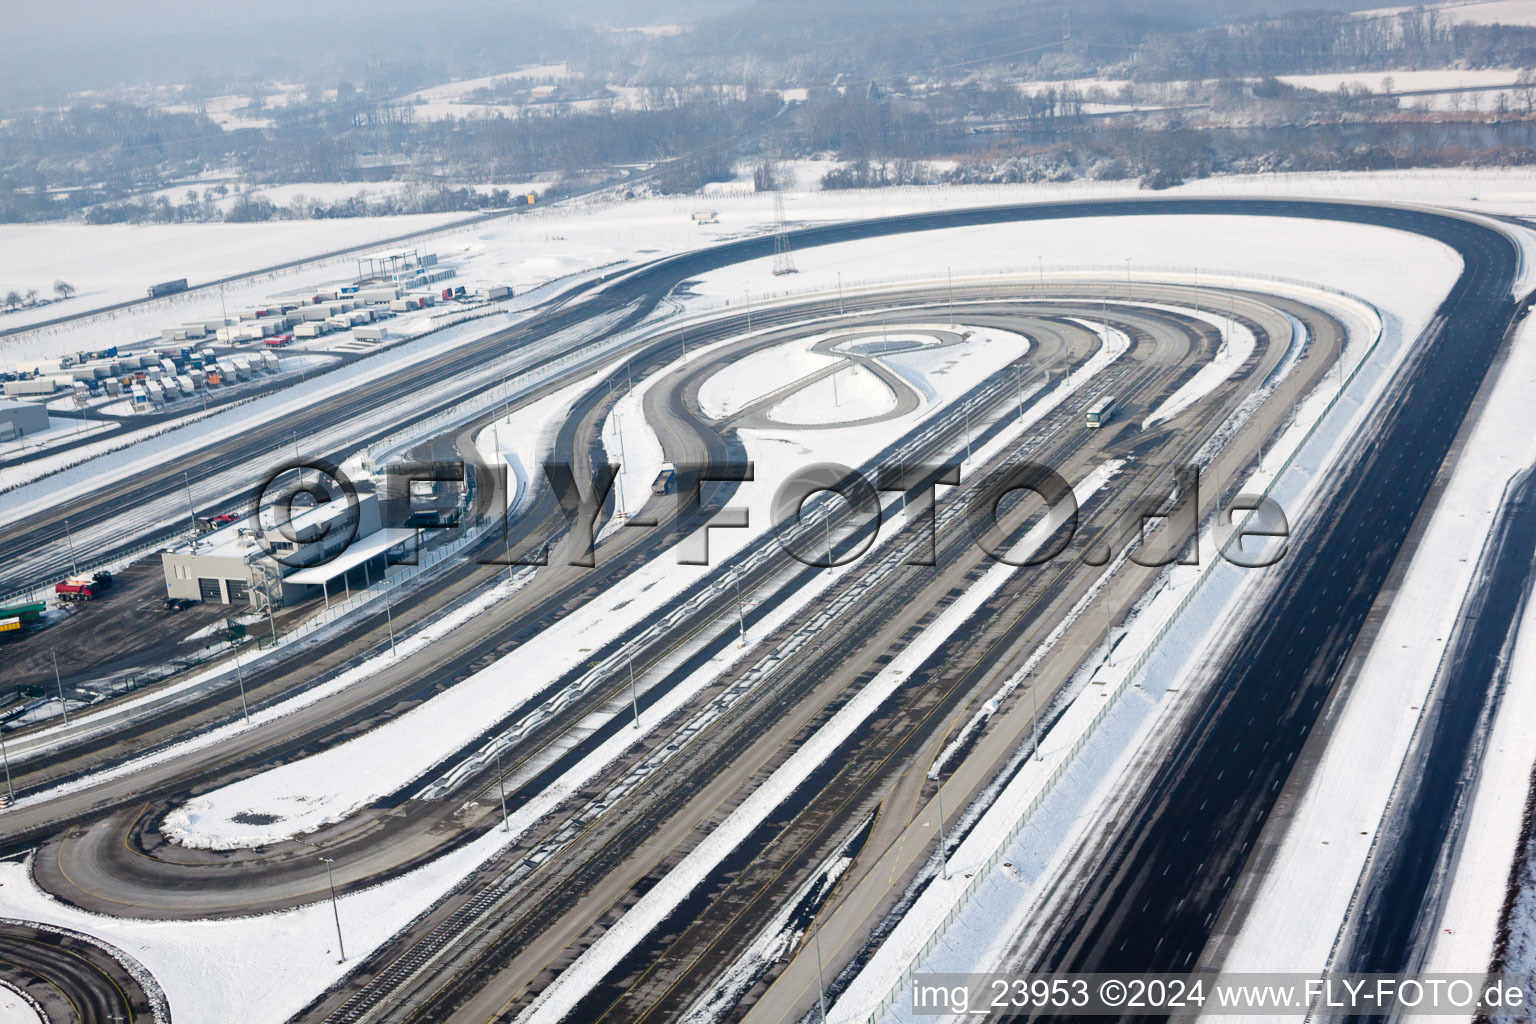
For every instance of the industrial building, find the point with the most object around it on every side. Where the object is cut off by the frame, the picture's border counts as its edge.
(18, 419)
(239, 564)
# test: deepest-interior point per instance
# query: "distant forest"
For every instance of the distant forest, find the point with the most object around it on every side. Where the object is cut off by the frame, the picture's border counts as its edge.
(883, 100)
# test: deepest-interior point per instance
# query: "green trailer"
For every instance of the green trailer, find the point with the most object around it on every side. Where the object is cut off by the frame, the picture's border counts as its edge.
(27, 613)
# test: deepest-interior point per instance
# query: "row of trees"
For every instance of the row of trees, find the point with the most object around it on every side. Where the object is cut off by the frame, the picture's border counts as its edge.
(1304, 41)
(15, 299)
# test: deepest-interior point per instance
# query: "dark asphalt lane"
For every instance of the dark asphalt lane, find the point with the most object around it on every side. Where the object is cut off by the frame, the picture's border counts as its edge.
(73, 980)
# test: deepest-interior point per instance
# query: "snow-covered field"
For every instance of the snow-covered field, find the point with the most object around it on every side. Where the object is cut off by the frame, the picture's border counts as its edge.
(1474, 12)
(111, 263)
(1406, 81)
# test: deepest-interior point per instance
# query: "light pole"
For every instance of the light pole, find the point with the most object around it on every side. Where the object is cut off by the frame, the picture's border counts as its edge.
(634, 700)
(501, 788)
(191, 508)
(74, 569)
(839, 293)
(60, 683)
(240, 678)
(335, 911)
(389, 619)
(1034, 725)
(943, 853)
(741, 614)
(821, 987)
(10, 790)
(950, 277)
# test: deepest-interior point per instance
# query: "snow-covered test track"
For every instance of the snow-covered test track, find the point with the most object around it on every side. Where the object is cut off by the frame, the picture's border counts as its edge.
(1219, 368)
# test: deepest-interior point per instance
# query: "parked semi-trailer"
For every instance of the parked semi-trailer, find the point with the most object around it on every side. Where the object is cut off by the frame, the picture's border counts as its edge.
(24, 613)
(167, 288)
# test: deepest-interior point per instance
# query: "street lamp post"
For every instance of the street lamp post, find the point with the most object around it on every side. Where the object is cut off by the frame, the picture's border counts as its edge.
(501, 788)
(943, 853)
(634, 699)
(741, 614)
(389, 618)
(1034, 725)
(74, 568)
(821, 987)
(60, 683)
(240, 678)
(10, 790)
(335, 910)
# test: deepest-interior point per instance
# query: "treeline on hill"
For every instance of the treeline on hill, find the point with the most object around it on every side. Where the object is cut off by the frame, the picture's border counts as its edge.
(1311, 41)
(103, 159)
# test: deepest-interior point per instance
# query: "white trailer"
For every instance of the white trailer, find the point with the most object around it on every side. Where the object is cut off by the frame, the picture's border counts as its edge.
(184, 382)
(34, 386)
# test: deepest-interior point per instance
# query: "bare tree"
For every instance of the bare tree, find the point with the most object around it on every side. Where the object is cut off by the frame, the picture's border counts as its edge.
(1525, 84)
(63, 289)
(12, 299)
(31, 296)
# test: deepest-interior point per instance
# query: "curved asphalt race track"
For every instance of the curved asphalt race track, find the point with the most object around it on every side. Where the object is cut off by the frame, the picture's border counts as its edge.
(74, 980)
